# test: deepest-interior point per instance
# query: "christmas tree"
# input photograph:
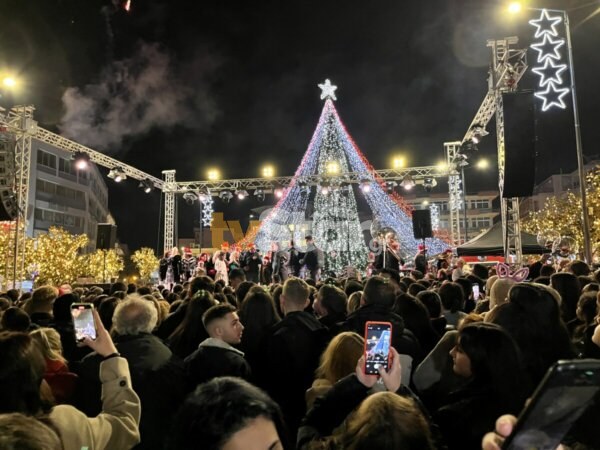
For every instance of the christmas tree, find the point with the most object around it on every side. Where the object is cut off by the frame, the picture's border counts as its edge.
(335, 225)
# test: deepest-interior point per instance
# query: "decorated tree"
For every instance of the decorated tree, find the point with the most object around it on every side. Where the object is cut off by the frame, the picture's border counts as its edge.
(57, 256)
(146, 262)
(103, 265)
(25, 269)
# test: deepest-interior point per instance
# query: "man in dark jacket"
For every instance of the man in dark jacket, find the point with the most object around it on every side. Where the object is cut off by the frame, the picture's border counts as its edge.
(376, 305)
(292, 352)
(313, 258)
(156, 374)
(215, 356)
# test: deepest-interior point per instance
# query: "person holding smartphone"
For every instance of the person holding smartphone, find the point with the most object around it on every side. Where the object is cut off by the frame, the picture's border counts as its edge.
(21, 391)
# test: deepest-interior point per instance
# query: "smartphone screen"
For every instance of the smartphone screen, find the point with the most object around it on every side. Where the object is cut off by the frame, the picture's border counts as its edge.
(475, 289)
(378, 337)
(83, 321)
(563, 395)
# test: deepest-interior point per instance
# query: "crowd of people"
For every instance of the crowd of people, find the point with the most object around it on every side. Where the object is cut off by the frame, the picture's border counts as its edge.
(225, 360)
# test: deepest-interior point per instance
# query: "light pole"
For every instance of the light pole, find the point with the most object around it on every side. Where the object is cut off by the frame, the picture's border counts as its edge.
(514, 8)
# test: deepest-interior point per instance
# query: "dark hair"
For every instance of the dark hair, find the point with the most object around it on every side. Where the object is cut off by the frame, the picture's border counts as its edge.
(416, 319)
(15, 319)
(379, 290)
(546, 271)
(578, 267)
(144, 290)
(495, 362)
(258, 314)
(532, 317)
(237, 273)
(393, 274)
(417, 274)
(106, 311)
(61, 309)
(588, 306)
(415, 288)
(452, 296)
(22, 368)
(131, 288)
(217, 312)
(567, 285)
(190, 332)
(333, 299)
(480, 271)
(202, 283)
(242, 290)
(542, 280)
(178, 289)
(352, 286)
(217, 410)
(117, 286)
(432, 302)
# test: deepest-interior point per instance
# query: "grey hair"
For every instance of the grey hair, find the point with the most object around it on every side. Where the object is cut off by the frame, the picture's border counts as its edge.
(134, 315)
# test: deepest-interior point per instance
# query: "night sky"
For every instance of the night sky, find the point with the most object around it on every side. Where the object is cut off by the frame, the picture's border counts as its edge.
(233, 84)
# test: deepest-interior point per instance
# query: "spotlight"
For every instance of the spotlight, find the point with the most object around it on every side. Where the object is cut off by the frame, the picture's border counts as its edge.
(390, 185)
(241, 194)
(407, 183)
(190, 198)
(146, 185)
(332, 168)
(429, 183)
(365, 186)
(117, 174)
(81, 160)
(324, 188)
(268, 171)
(479, 132)
(226, 196)
(259, 194)
(203, 195)
(278, 192)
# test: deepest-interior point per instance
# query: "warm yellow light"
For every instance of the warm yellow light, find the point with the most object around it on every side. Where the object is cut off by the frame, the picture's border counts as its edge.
(515, 7)
(332, 168)
(398, 162)
(425, 203)
(483, 164)
(9, 82)
(268, 171)
(213, 174)
(442, 166)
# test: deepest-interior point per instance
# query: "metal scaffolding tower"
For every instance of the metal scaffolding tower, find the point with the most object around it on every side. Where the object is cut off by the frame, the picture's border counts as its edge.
(169, 190)
(455, 203)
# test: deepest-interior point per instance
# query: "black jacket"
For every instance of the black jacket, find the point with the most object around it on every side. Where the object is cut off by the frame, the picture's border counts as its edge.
(157, 377)
(212, 360)
(403, 340)
(293, 350)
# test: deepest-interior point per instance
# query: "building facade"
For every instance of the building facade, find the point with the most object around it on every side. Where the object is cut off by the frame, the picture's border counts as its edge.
(62, 196)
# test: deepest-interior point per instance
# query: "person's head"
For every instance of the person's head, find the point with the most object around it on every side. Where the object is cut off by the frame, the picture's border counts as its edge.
(236, 277)
(460, 263)
(569, 289)
(391, 274)
(222, 322)
(22, 432)
(432, 302)
(578, 268)
(22, 368)
(489, 283)
(308, 239)
(202, 283)
(258, 311)
(480, 271)
(415, 288)
(42, 299)
(294, 296)
(331, 301)
(133, 316)
(547, 270)
(340, 357)
(487, 354)
(48, 341)
(385, 421)
(378, 291)
(15, 319)
(242, 290)
(106, 311)
(352, 286)
(499, 291)
(117, 286)
(587, 307)
(228, 413)
(452, 296)
(61, 309)
(354, 301)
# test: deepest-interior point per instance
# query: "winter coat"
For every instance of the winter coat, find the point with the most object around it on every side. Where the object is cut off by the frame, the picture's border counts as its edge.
(215, 358)
(293, 350)
(157, 377)
(116, 427)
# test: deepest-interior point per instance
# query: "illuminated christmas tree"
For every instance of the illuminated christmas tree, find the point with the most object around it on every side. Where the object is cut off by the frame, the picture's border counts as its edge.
(335, 226)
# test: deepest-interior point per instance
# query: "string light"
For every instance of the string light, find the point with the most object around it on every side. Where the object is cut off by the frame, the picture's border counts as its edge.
(207, 208)
(434, 210)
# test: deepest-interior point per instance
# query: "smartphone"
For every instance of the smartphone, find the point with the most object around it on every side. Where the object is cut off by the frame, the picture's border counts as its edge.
(563, 395)
(475, 289)
(378, 340)
(83, 321)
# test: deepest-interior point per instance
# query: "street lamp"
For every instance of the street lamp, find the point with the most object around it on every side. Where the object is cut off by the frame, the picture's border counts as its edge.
(213, 174)
(513, 8)
(482, 164)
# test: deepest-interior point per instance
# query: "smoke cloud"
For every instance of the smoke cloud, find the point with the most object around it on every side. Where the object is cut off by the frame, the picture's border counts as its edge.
(149, 90)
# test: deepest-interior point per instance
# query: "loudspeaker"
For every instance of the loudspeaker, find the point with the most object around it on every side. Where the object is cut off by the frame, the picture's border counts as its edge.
(106, 236)
(421, 219)
(519, 144)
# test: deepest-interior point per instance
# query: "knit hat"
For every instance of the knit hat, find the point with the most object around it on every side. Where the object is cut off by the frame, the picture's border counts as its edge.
(499, 292)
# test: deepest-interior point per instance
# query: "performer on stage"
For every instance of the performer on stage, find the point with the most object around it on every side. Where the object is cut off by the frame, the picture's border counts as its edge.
(421, 259)
(188, 264)
(389, 257)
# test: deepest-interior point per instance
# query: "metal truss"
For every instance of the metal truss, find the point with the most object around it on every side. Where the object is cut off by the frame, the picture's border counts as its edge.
(455, 202)
(169, 190)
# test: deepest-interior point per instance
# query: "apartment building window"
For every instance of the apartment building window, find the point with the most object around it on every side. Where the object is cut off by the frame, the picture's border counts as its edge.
(66, 166)
(46, 159)
(480, 222)
(480, 204)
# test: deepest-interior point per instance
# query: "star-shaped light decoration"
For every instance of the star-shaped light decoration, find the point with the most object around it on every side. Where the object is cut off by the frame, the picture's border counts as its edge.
(552, 96)
(551, 68)
(328, 90)
(548, 48)
(546, 24)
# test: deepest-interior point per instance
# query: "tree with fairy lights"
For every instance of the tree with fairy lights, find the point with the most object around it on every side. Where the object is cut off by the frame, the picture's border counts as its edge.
(103, 265)
(146, 262)
(58, 256)
(332, 153)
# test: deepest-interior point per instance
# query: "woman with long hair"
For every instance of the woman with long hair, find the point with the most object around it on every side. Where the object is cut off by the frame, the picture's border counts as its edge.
(488, 358)
(338, 360)
(567, 285)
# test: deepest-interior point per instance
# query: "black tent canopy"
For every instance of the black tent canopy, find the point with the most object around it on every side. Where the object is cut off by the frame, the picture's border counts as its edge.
(489, 243)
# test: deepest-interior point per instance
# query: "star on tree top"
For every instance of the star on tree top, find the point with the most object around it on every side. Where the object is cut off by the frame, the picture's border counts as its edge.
(327, 90)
